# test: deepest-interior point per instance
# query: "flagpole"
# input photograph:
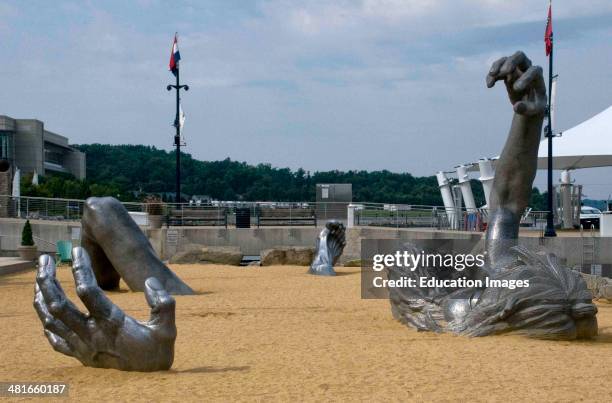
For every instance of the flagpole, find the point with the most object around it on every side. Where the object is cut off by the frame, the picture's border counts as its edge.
(177, 135)
(550, 215)
(177, 140)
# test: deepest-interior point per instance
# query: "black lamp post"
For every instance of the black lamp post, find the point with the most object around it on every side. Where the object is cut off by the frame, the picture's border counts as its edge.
(177, 136)
(550, 215)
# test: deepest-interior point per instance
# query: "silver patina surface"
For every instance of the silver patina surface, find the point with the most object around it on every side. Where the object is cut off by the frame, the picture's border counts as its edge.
(330, 244)
(557, 303)
(105, 337)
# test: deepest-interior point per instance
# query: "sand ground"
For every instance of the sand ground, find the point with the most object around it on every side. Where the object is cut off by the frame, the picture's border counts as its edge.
(276, 333)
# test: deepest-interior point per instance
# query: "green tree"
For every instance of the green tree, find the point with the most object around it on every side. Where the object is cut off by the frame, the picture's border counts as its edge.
(26, 235)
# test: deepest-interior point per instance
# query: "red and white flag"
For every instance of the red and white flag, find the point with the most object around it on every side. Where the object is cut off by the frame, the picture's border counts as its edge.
(175, 56)
(548, 35)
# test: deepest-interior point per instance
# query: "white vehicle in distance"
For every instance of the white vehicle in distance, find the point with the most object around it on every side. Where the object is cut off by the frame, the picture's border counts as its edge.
(589, 217)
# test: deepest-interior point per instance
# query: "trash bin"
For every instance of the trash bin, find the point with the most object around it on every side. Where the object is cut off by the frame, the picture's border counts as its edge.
(64, 251)
(243, 217)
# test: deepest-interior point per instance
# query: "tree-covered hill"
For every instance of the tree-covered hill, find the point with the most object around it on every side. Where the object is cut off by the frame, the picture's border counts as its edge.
(129, 172)
(148, 169)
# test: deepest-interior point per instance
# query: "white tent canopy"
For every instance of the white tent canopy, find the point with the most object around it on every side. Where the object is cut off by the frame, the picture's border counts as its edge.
(588, 145)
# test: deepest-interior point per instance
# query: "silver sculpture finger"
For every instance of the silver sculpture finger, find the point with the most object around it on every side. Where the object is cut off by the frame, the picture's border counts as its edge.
(330, 244)
(105, 337)
(557, 303)
(120, 250)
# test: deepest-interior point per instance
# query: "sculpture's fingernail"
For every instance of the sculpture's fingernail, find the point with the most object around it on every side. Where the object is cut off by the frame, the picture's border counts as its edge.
(43, 260)
(77, 253)
(154, 284)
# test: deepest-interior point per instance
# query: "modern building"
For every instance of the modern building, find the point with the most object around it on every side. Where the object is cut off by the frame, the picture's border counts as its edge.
(28, 146)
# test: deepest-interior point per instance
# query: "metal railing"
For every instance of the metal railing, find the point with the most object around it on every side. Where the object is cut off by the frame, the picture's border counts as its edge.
(224, 213)
(419, 216)
(293, 213)
(42, 208)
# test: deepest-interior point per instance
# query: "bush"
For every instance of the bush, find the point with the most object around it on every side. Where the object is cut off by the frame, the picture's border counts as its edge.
(26, 235)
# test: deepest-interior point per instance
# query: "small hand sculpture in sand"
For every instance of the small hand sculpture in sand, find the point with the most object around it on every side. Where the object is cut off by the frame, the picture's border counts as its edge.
(330, 244)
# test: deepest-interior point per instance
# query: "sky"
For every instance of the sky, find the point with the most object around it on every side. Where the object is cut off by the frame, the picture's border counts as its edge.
(322, 85)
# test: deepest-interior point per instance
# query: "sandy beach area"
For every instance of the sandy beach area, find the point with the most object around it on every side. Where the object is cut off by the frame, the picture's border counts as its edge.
(277, 333)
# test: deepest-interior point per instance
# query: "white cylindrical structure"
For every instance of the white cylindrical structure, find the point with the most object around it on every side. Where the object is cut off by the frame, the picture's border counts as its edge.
(447, 197)
(466, 188)
(458, 201)
(350, 216)
(566, 177)
(486, 177)
(445, 190)
(566, 200)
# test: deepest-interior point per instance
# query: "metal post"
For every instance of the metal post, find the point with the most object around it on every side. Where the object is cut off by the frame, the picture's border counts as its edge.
(177, 141)
(177, 136)
(550, 215)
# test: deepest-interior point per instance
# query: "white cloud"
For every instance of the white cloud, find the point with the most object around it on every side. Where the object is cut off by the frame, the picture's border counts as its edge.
(381, 80)
(7, 13)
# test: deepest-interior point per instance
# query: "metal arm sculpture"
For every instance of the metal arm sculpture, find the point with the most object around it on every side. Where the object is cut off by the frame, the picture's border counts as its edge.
(557, 304)
(119, 249)
(106, 337)
(330, 244)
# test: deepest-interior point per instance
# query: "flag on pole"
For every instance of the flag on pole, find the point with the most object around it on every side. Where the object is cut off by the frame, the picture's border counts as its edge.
(17, 183)
(181, 118)
(175, 56)
(548, 35)
(553, 98)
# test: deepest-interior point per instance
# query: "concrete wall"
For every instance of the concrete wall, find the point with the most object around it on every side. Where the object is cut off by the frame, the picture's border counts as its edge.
(250, 240)
(167, 242)
(29, 148)
(7, 123)
(49, 231)
(55, 138)
(74, 162)
(6, 188)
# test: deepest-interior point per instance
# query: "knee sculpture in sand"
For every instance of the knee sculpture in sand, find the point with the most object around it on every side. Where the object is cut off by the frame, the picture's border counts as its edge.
(330, 244)
(120, 250)
(557, 303)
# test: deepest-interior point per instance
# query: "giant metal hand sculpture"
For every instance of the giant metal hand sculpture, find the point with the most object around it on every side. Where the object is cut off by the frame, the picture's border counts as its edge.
(330, 244)
(119, 249)
(106, 337)
(557, 304)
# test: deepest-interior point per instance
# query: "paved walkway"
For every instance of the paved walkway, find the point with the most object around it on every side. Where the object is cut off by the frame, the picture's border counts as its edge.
(14, 264)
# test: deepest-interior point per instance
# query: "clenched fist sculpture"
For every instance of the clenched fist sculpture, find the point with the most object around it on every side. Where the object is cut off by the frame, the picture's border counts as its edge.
(330, 244)
(105, 337)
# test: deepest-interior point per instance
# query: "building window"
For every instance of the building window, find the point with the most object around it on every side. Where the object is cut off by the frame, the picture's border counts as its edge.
(54, 156)
(6, 145)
